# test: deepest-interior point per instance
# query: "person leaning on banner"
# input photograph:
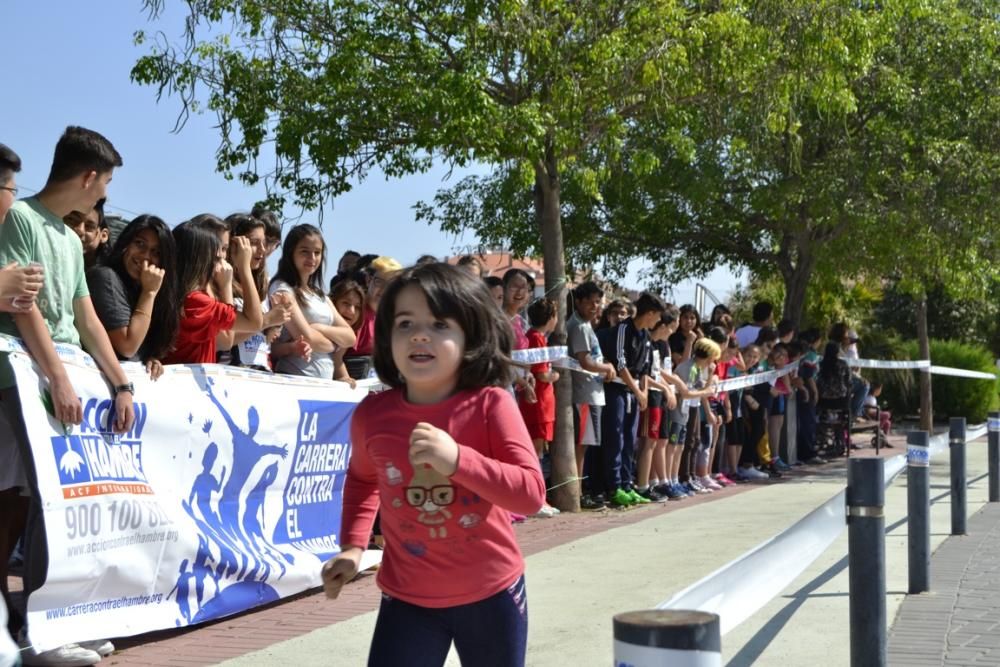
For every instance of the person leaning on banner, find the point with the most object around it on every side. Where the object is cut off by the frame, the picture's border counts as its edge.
(135, 293)
(34, 231)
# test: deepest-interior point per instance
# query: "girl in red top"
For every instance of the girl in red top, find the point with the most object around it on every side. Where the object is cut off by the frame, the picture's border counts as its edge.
(446, 455)
(202, 316)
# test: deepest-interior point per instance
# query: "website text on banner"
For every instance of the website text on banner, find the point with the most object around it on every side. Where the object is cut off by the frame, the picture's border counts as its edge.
(225, 495)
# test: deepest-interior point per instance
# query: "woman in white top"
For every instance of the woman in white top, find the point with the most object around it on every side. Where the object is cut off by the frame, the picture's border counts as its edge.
(315, 330)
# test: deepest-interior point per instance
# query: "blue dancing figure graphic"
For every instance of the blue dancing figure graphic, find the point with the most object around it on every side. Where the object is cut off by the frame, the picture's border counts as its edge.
(232, 525)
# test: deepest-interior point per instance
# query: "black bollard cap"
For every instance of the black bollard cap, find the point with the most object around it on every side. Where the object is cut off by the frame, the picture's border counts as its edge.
(680, 630)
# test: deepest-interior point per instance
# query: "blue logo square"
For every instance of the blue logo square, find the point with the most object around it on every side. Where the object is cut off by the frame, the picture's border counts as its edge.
(71, 460)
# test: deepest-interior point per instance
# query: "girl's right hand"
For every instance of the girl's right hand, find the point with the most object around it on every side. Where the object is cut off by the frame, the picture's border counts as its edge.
(302, 348)
(240, 251)
(150, 278)
(21, 282)
(279, 314)
(339, 570)
(223, 274)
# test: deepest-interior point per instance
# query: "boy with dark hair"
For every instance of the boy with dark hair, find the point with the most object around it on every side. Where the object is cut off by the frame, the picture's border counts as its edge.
(35, 232)
(627, 347)
(10, 164)
(92, 228)
(588, 390)
(763, 316)
(18, 285)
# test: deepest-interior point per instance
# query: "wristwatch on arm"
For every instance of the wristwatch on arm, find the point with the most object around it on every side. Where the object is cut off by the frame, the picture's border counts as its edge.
(130, 388)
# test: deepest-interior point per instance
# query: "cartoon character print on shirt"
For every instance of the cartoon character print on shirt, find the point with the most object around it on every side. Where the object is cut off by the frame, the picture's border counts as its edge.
(431, 493)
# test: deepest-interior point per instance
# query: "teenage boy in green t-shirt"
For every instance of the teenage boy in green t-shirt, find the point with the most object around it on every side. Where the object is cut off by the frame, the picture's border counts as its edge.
(34, 231)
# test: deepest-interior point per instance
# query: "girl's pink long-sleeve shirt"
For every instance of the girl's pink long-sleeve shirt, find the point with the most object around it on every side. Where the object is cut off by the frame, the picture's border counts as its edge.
(448, 540)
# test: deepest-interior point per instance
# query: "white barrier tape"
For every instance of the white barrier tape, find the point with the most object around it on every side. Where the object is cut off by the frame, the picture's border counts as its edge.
(539, 355)
(919, 364)
(961, 373)
(742, 587)
(574, 365)
(887, 364)
(753, 379)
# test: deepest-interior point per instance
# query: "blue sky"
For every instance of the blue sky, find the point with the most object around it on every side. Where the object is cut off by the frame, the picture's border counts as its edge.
(69, 62)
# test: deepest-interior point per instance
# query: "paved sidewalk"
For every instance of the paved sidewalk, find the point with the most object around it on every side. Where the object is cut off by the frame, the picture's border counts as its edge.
(584, 568)
(958, 622)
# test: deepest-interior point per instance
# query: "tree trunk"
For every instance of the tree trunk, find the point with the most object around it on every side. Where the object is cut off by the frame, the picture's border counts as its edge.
(796, 282)
(924, 344)
(562, 452)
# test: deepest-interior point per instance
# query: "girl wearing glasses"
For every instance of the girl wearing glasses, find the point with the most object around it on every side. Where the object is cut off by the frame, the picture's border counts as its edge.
(447, 457)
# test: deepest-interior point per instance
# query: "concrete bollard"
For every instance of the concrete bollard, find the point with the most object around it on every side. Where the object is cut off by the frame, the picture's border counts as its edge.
(918, 503)
(662, 637)
(993, 455)
(956, 450)
(866, 561)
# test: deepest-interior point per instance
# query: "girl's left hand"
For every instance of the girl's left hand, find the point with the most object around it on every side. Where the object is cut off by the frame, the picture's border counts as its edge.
(155, 369)
(431, 446)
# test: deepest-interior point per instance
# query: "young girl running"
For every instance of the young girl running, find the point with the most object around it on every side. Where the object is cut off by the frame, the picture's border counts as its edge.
(314, 320)
(202, 316)
(446, 455)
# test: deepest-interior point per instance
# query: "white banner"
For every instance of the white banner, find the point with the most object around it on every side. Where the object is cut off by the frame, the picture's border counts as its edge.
(225, 495)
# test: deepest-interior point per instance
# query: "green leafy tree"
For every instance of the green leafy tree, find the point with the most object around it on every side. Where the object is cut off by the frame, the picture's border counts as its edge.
(545, 91)
(864, 131)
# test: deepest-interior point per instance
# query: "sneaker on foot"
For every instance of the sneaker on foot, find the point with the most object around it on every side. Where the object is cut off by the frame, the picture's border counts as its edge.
(816, 460)
(709, 483)
(621, 498)
(652, 495)
(780, 465)
(772, 471)
(593, 503)
(670, 492)
(723, 479)
(636, 498)
(102, 647)
(547, 512)
(752, 473)
(69, 655)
